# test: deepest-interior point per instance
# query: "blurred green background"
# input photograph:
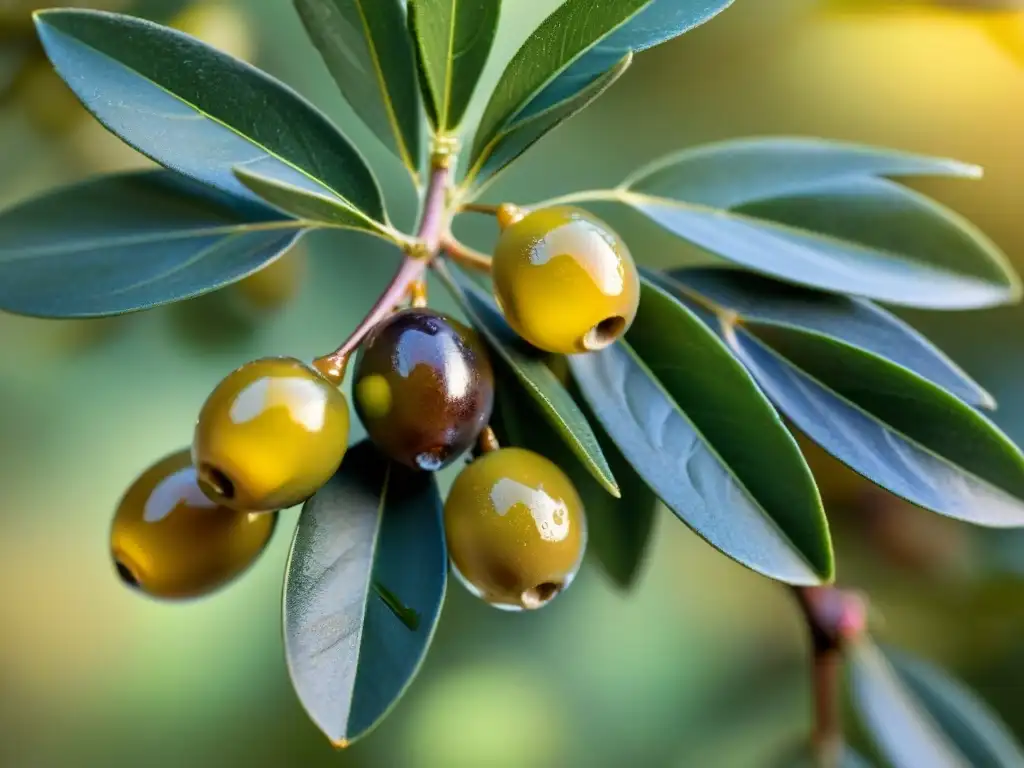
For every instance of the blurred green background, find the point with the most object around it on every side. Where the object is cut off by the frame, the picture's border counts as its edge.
(704, 665)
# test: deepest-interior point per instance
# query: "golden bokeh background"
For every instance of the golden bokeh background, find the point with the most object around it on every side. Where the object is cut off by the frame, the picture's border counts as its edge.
(704, 665)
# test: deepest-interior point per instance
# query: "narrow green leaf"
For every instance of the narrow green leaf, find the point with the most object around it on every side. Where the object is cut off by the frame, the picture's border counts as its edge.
(131, 241)
(201, 112)
(728, 174)
(976, 730)
(873, 416)
(815, 214)
(575, 45)
(556, 404)
(917, 716)
(310, 205)
(861, 324)
(350, 657)
(454, 39)
(694, 425)
(619, 530)
(367, 50)
(911, 405)
(509, 144)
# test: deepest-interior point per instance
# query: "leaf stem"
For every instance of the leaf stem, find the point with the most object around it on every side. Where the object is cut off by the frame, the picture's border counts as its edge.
(419, 253)
(407, 616)
(465, 255)
(835, 618)
(485, 208)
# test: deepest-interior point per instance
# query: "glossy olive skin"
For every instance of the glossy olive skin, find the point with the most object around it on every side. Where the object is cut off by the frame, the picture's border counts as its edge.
(423, 388)
(565, 281)
(516, 529)
(270, 435)
(170, 541)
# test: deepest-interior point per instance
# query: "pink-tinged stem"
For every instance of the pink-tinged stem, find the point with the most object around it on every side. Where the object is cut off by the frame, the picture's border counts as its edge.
(834, 618)
(432, 226)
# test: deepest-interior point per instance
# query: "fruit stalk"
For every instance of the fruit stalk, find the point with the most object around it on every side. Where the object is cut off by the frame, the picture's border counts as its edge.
(465, 255)
(426, 246)
(835, 618)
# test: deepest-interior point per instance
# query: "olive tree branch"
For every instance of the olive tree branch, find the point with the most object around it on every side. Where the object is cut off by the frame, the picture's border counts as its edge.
(835, 618)
(420, 252)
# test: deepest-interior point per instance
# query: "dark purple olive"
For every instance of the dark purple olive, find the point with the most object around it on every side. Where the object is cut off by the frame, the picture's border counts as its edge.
(423, 388)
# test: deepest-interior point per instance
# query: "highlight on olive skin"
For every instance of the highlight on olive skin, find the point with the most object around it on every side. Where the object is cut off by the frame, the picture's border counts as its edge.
(516, 529)
(423, 388)
(270, 435)
(170, 541)
(565, 281)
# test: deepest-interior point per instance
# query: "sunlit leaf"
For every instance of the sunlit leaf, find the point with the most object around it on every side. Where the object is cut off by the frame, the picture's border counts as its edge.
(918, 716)
(374, 530)
(201, 112)
(512, 142)
(555, 403)
(131, 241)
(815, 213)
(367, 50)
(454, 38)
(308, 204)
(697, 429)
(892, 426)
(574, 46)
(861, 324)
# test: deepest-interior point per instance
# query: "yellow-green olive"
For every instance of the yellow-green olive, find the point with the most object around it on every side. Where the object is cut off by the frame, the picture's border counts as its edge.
(170, 541)
(423, 387)
(270, 435)
(516, 529)
(565, 281)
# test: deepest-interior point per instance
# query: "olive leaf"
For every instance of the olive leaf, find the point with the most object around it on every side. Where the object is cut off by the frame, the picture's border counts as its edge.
(697, 429)
(916, 715)
(510, 143)
(316, 207)
(367, 50)
(578, 43)
(891, 425)
(556, 404)
(371, 536)
(454, 39)
(816, 213)
(131, 241)
(201, 112)
(859, 325)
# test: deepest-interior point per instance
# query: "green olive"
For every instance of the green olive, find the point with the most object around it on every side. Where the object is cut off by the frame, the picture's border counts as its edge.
(565, 281)
(516, 529)
(170, 541)
(270, 435)
(423, 388)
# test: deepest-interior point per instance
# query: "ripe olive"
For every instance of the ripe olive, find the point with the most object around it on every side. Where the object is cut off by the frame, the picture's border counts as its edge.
(270, 435)
(565, 281)
(423, 388)
(516, 529)
(170, 541)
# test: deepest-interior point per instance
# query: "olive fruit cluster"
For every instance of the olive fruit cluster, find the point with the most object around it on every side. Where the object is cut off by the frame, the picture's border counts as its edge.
(275, 430)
